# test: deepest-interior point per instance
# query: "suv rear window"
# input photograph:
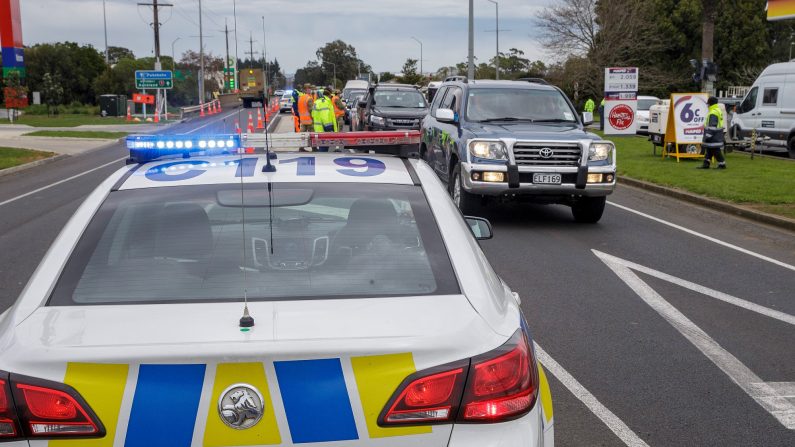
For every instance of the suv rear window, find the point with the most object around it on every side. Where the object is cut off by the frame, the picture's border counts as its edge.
(316, 241)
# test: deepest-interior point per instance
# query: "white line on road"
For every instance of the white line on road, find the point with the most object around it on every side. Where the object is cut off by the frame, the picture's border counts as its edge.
(765, 395)
(725, 297)
(703, 236)
(612, 421)
(22, 196)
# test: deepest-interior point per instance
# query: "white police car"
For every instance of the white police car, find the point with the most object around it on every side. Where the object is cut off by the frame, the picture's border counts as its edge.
(204, 300)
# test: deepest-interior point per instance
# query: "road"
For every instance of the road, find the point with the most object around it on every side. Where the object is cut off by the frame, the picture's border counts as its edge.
(664, 324)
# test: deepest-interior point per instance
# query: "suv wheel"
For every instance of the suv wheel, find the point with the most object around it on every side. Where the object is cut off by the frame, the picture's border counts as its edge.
(588, 209)
(466, 202)
(791, 146)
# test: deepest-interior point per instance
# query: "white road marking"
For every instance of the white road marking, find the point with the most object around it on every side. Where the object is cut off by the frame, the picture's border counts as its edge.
(784, 389)
(764, 394)
(35, 191)
(703, 236)
(725, 297)
(612, 421)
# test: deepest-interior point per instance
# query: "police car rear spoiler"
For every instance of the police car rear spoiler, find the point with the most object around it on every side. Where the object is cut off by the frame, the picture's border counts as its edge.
(145, 148)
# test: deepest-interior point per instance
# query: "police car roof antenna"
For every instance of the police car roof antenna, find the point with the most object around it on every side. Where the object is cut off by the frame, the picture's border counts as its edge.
(268, 166)
(246, 321)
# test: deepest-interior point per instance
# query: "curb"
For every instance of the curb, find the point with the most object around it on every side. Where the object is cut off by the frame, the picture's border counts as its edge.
(718, 205)
(32, 164)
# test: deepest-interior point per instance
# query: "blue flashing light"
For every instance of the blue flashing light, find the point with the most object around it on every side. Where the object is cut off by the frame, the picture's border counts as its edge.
(145, 148)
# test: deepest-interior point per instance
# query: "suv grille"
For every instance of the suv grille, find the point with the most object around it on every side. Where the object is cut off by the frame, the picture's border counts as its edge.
(536, 154)
(405, 122)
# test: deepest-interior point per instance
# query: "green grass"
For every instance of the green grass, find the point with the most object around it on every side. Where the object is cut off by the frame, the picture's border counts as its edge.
(767, 184)
(10, 157)
(77, 134)
(67, 120)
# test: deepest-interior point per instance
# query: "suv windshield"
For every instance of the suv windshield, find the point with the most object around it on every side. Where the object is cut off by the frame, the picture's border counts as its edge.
(407, 99)
(316, 241)
(518, 104)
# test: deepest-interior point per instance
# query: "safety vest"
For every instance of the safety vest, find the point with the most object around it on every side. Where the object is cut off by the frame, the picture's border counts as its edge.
(589, 105)
(337, 112)
(323, 114)
(304, 114)
(602, 104)
(715, 110)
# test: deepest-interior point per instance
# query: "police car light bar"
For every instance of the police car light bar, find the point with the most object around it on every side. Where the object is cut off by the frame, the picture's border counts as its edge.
(144, 148)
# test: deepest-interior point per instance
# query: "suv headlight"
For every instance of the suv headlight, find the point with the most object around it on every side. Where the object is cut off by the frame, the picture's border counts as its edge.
(495, 150)
(377, 120)
(600, 151)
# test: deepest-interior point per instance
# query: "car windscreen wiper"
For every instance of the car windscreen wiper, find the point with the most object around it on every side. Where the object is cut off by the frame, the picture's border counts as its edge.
(507, 118)
(555, 120)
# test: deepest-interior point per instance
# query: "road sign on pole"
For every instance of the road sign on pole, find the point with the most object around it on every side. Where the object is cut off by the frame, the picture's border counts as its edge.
(154, 79)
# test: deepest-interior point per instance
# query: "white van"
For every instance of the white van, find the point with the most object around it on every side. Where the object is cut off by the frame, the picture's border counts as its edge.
(769, 107)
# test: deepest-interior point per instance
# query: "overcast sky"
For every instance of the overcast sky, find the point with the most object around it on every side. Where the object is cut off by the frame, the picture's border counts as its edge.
(380, 30)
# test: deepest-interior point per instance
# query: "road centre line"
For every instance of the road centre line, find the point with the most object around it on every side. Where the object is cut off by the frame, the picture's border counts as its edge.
(765, 395)
(725, 297)
(703, 236)
(612, 421)
(35, 191)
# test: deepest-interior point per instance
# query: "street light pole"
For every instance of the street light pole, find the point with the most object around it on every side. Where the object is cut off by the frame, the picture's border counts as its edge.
(105, 21)
(201, 56)
(173, 54)
(237, 75)
(471, 54)
(419, 42)
(265, 66)
(497, 58)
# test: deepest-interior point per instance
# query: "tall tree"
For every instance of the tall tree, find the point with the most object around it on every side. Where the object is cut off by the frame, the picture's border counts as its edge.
(77, 66)
(410, 72)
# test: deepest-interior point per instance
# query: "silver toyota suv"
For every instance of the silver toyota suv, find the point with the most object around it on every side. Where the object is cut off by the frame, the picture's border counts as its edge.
(516, 140)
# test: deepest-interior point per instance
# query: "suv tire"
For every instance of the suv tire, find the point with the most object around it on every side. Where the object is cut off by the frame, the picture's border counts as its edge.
(791, 146)
(466, 202)
(588, 209)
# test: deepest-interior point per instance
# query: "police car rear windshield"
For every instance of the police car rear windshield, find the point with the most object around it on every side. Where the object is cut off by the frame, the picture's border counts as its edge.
(301, 241)
(519, 104)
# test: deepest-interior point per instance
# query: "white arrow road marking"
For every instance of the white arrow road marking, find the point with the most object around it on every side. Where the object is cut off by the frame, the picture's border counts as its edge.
(765, 394)
(612, 421)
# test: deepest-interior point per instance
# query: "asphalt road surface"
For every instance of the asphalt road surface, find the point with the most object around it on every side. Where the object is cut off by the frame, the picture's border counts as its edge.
(665, 324)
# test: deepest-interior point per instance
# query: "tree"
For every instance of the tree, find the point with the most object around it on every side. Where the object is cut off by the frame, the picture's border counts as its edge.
(51, 88)
(386, 76)
(77, 66)
(410, 74)
(340, 57)
(115, 54)
(570, 27)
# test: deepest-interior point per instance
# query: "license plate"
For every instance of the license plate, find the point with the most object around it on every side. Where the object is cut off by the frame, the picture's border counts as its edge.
(547, 179)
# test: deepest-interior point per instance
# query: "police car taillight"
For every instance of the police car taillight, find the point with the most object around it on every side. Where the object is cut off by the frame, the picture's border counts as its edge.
(497, 386)
(33, 408)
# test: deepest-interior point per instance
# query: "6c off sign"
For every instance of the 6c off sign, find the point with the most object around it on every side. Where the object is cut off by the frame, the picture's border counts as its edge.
(689, 115)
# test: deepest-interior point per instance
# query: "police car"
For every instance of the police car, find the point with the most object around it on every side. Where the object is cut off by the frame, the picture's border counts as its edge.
(209, 294)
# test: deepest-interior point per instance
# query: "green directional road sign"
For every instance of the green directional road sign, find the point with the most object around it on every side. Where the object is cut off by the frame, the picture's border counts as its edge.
(153, 79)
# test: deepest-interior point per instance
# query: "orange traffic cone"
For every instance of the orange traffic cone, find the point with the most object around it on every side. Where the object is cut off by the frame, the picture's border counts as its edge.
(219, 107)
(259, 119)
(129, 114)
(237, 127)
(250, 123)
(157, 116)
(215, 108)
(201, 108)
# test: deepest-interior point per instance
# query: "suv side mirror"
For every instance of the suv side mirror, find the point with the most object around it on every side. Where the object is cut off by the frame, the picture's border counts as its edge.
(480, 227)
(362, 104)
(445, 115)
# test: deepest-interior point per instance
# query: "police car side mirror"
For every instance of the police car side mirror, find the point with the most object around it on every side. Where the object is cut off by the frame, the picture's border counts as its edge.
(445, 115)
(480, 227)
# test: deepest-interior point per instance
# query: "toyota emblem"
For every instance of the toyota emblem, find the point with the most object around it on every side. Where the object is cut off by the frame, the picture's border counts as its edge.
(546, 153)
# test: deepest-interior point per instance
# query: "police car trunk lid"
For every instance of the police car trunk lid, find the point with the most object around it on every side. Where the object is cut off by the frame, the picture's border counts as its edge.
(324, 369)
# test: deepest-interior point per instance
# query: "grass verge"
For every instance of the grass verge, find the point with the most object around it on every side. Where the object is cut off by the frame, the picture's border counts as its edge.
(10, 157)
(67, 120)
(77, 134)
(765, 184)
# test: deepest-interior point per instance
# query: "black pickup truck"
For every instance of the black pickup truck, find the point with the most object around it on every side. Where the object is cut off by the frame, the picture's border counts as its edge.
(516, 140)
(390, 107)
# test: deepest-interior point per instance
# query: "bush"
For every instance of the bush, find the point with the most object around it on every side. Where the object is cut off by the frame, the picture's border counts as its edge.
(74, 108)
(36, 109)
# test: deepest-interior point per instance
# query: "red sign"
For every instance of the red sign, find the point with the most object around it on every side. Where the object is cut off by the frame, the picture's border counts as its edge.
(621, 117)
(15, 99)
(143, 99)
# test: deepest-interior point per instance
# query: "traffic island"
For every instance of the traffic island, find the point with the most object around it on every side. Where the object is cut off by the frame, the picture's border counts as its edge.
(12, 157)
(762, 188)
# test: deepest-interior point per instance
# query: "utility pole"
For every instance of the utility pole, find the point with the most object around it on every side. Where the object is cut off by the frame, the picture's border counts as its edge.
(105, 21)
(156, 26)
(471, 54)
(251, 50)
(237, 56)
(226, 61)
(265, 67)
(201, 56)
